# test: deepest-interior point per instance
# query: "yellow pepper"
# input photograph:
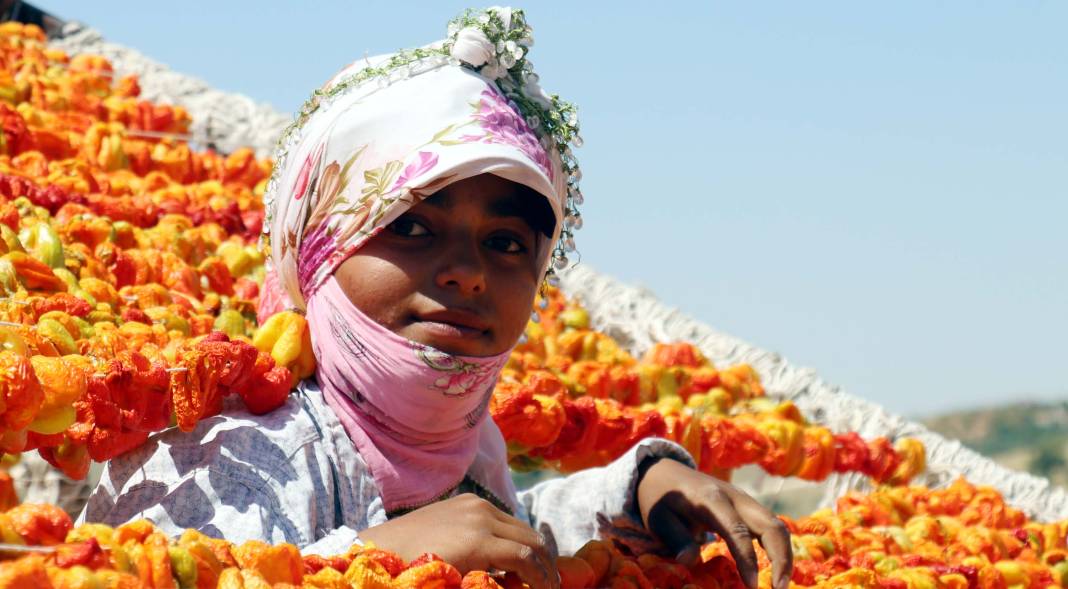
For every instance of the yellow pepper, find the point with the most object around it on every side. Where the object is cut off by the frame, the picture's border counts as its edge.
(101, 291)
(63, 383)
(11, 340)
(287, 338)
(236, 257)
(913, 460)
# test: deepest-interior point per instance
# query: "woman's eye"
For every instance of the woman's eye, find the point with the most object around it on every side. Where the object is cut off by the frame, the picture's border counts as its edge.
(408, 228)
(506, 244)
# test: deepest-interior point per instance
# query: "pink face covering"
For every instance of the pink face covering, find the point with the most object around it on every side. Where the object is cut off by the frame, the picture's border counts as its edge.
(415, 413)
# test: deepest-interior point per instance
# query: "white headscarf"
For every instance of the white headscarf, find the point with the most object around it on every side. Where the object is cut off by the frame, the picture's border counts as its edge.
(384, 134)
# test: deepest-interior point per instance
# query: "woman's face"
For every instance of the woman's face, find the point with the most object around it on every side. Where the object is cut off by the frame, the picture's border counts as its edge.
(458, 271)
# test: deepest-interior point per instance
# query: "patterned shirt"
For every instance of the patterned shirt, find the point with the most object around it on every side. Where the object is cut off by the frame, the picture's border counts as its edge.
(294, 476)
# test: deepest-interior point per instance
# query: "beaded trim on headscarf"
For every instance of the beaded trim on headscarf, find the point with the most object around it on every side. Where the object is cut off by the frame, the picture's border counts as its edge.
(493, 42)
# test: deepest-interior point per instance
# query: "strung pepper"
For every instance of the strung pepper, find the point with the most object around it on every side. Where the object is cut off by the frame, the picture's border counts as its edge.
(483, 580)
(44, 243)
(65, 302)
(60, 331)
(526, 420)
(818, 449)
(120, 408)
(913, 460)
(431, 574)
(286, 337)
(882, 460)
(70, 457)
(269, 388)
(741, 381)
(218, 276)
(785, 449)
(677, 354)
(40, 524)
(850, 452)
(34, 274)
(609, 431)
(276, 564)
(195, 391)
(578, 435)
(63, 382)
(141, 389)
(729, 444)
(29, 571)
(20, 391)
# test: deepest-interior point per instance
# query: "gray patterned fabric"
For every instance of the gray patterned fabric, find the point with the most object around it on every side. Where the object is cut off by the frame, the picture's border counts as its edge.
(294, 476)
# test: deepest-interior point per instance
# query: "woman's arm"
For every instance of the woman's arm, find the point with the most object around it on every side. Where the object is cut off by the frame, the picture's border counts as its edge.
(598, 502)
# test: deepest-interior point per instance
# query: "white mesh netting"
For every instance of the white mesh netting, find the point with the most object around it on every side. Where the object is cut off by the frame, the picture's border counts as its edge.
(634, 316)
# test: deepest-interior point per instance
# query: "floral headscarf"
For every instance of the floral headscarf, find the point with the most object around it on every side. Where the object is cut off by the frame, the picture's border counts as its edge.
(384, 134)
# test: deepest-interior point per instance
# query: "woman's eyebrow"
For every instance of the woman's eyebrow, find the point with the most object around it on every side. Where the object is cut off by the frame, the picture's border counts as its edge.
(503, 206)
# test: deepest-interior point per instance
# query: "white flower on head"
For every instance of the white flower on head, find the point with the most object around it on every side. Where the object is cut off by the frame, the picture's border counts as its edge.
(534, 92)
(472, 47)
(505, 14)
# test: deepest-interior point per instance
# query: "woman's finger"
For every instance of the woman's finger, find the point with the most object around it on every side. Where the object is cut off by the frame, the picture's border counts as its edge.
(521, 559)
(716, 507)
(774, 537)
(520, 533)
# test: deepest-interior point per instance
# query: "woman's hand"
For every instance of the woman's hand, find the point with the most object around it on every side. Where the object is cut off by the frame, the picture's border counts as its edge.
(680, 505)
(471, 534)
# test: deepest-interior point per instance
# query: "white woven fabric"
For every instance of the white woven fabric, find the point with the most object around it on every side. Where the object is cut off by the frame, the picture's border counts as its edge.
(228, 120)
(633, 316)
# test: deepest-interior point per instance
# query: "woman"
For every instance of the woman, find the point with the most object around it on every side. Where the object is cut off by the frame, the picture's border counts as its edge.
(417, 204)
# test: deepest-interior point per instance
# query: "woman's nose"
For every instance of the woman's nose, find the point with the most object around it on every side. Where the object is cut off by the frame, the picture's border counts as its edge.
(462, 269)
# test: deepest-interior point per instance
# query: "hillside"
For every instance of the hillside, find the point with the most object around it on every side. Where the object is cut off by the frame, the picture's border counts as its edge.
(1030, 436)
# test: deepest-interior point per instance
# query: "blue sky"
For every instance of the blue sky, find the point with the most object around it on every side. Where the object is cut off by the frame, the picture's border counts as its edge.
(876, 191)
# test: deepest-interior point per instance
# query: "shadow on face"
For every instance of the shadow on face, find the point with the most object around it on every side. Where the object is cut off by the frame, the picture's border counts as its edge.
(459, 270)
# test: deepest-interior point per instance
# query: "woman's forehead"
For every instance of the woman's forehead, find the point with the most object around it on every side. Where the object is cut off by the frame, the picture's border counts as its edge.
(496, 197)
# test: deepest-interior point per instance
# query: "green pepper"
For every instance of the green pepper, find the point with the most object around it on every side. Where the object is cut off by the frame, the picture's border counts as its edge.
(44, 244)
(67, 276)
(10, 239)
(230, 322)
(55, 332)
(24, 205)
(1060, 572)
(98, 316)
(169, 319)
(575, 318)
(81, 294)
(84, 327)
(9, 280)
(183, 567)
